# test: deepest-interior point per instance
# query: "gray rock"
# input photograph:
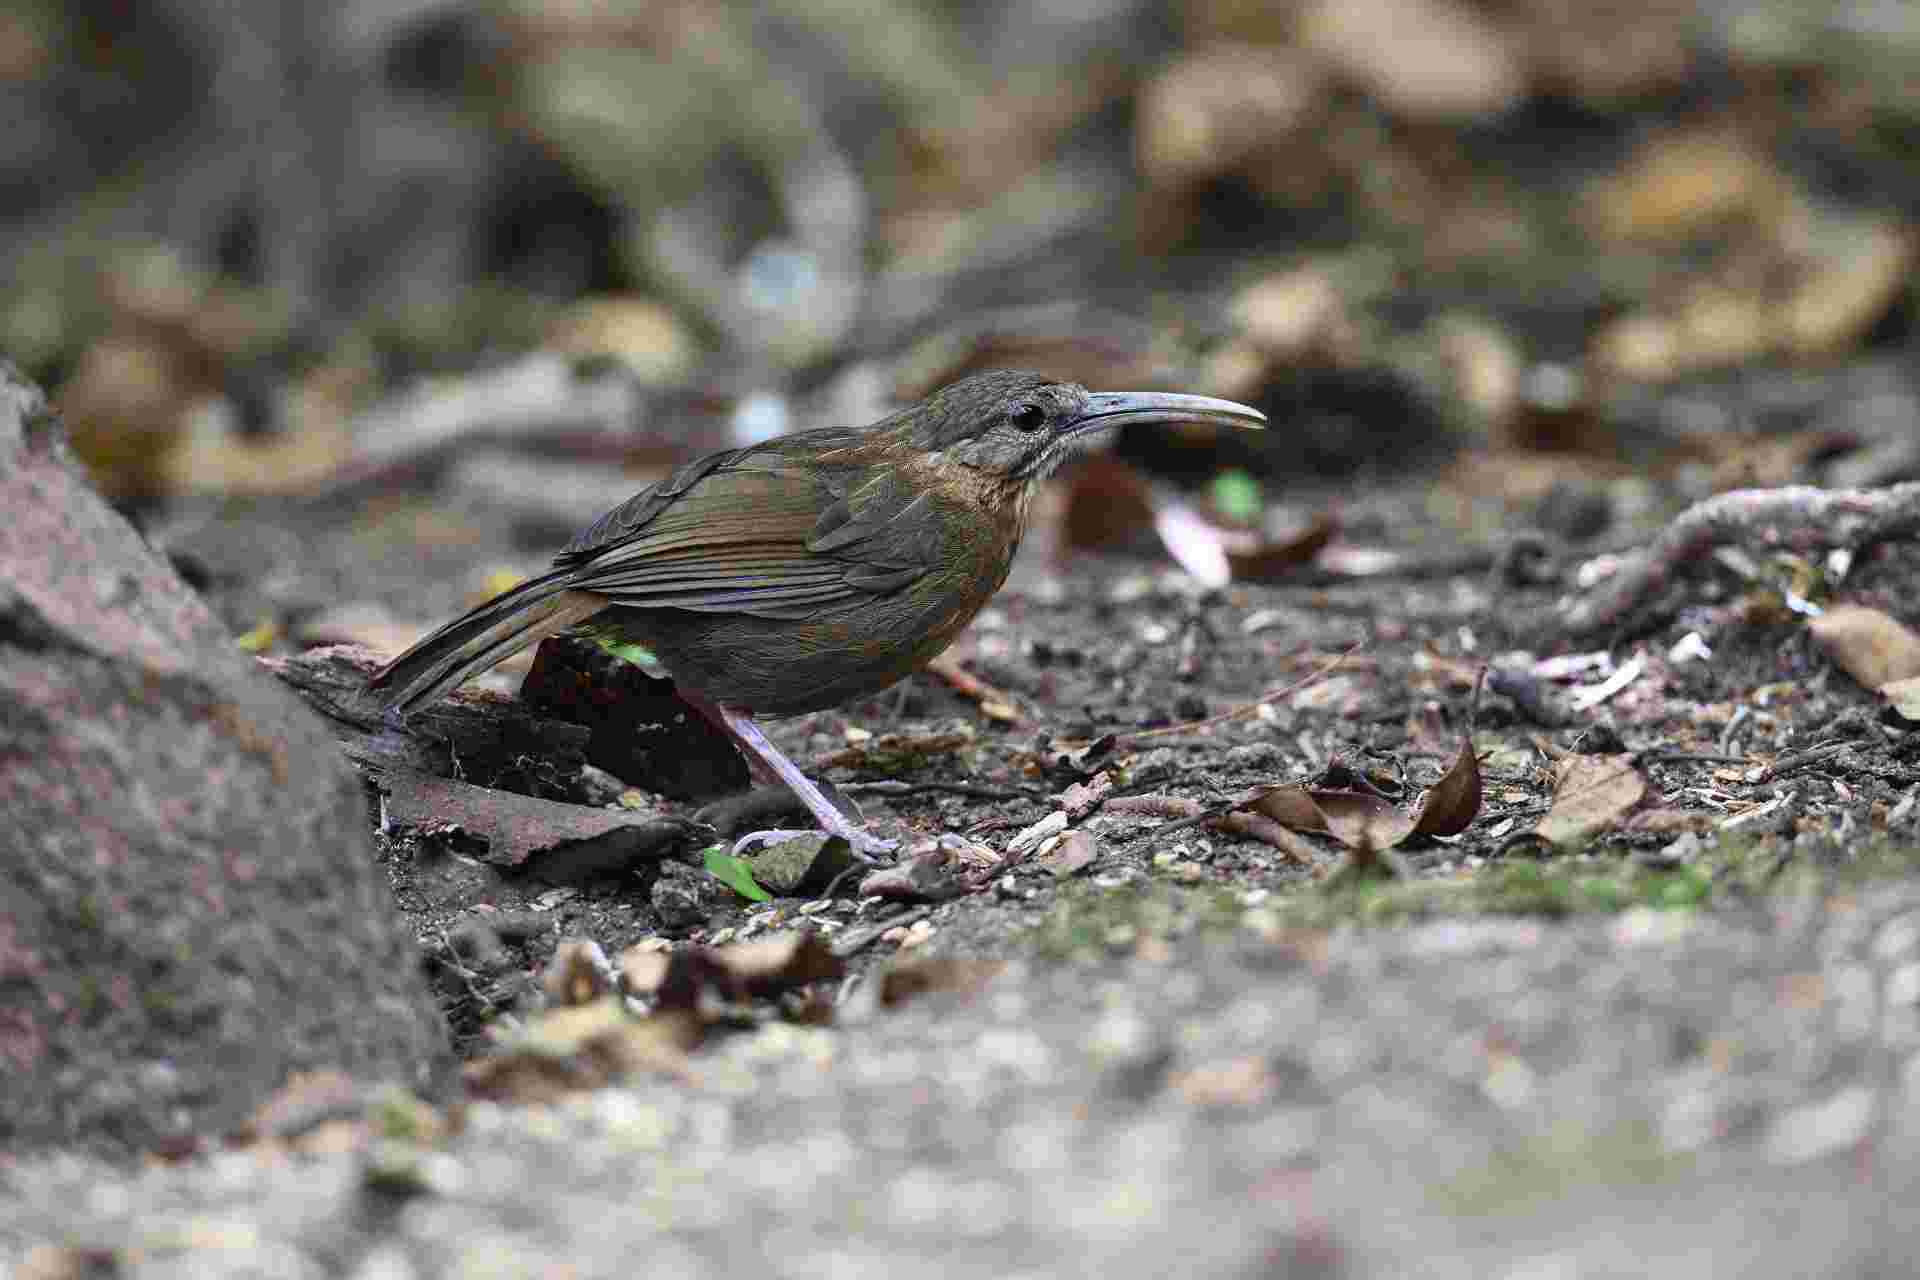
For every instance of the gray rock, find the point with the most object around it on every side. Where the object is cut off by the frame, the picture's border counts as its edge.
(191, 906)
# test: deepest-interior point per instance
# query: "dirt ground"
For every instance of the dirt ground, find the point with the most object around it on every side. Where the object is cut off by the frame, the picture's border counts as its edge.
(1593, 1030)
(1178, 700)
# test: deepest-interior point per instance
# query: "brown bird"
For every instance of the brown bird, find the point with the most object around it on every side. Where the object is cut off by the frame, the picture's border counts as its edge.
(793, 575)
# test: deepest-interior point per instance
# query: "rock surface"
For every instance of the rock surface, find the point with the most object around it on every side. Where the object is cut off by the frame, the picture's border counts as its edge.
(191, 906)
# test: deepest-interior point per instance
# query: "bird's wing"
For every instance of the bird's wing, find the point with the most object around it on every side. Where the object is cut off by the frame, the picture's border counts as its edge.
(761, 536)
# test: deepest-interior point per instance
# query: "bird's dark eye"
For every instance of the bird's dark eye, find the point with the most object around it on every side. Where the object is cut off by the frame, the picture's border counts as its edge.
(1028, 417)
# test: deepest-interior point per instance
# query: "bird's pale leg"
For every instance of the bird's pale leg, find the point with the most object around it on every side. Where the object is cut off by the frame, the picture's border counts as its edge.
(767, 765)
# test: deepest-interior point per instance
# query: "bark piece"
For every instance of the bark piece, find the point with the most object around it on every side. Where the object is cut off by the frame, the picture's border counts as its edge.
(558, 842)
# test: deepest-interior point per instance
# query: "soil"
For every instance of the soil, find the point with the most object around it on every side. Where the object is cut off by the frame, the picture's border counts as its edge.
(1673, 1036)
(1082, 646)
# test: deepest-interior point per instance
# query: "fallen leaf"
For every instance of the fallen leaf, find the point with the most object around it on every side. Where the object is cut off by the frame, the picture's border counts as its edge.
(735, 873)
(1291, 806)
(1268, 832)
(1362, 822)
(1591, 793)
(1867, 644)
(1454, 801)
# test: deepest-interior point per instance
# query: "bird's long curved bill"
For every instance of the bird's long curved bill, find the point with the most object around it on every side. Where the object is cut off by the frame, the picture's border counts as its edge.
(1114, 408)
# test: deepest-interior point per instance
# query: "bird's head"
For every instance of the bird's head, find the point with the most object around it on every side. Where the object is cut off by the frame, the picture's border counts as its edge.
(1020, 427)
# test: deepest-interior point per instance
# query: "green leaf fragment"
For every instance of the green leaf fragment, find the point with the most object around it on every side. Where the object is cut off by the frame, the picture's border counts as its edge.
(627, 651)
(733, 872)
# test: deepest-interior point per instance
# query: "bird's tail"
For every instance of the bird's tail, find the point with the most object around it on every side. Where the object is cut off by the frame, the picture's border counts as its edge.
(476, 640)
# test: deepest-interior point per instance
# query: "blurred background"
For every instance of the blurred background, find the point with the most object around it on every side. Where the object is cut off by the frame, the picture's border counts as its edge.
(1555, 259)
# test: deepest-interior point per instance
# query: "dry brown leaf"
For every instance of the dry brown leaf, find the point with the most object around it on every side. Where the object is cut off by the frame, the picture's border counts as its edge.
(1867, 644)
(1293, 807)
(1268, 832)
(1590, 794)
(1453, 802)
(1362, 822)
